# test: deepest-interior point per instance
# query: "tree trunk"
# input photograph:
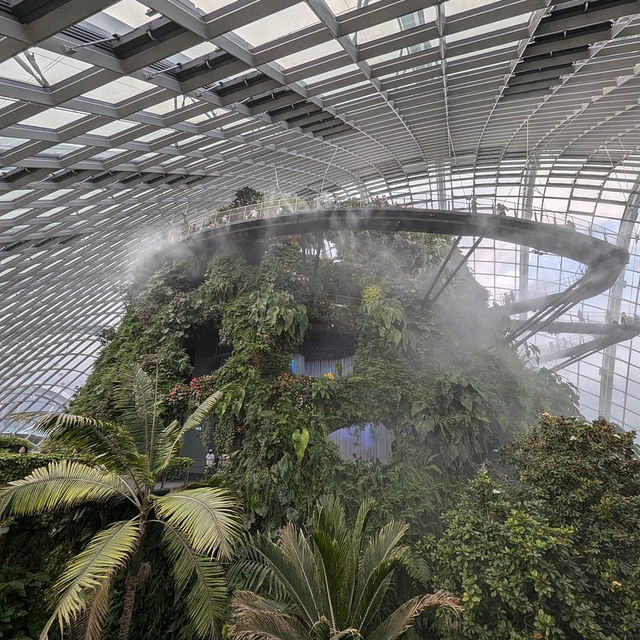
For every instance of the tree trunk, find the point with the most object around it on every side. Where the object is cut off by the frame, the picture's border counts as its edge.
(317, 263)
(137, 574)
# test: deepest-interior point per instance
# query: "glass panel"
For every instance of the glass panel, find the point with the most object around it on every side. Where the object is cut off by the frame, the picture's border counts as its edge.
(308, 55)
(342, 6)
(119, 90)
(117, 126)
(130, 12)
(278, 24)
(53, 118)
(9, 196)
(60, 150)
(211, 5)
(199, 50)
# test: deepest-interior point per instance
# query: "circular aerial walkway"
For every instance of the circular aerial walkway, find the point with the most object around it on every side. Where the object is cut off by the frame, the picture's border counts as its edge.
(602, 260)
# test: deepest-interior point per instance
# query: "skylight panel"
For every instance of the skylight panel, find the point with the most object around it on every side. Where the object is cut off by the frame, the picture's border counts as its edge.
(278, 25)
(11, 70)
(310, 54)
(106, 154)
(146, 156)
(59, 150)
(54, 195)
(330, 74)
(55, 118)
(10, 143)
(57, 68)
(164, 107)
(199, 50)
(452, 7)
(113, 128)
(130, 12)
(490, 28)
(342, 6)
(119, 90)
(154, 135)
(211, 5)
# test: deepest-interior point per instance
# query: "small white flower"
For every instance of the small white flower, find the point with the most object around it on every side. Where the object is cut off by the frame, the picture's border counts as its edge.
(573, 438)
(496, 492)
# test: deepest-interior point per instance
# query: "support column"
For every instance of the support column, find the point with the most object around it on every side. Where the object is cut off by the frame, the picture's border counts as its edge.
(625, 231)
(440, 185)
(526, 209)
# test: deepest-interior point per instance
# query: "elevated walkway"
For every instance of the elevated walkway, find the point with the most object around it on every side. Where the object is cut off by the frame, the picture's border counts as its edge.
(576, 348)
(602, 260)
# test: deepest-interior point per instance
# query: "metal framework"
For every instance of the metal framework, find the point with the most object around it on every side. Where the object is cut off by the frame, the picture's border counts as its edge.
(120, 118)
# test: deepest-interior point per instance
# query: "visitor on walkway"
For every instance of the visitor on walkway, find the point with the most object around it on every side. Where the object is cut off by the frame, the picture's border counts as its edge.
(22, 451)
(210, 458)
(383, 201)
(501, 210)
(253, 213)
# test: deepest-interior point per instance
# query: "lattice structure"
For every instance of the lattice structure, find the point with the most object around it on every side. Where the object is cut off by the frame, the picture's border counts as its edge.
(121, 119)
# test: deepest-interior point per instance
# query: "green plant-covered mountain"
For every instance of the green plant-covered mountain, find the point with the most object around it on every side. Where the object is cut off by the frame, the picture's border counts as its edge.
(545, 550)
(438, 376)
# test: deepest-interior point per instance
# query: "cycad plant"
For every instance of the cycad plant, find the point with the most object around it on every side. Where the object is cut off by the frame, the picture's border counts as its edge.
(199, 525)
(327, 585)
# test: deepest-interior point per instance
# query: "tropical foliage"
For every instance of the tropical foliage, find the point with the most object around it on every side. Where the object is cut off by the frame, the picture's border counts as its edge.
(197, 524)
(552, 551)
(438, 376)
(20, 616)
(330, 583)
(13, 443)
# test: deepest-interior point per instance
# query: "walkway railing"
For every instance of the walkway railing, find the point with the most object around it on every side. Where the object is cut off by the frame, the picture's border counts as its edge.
(208, 218)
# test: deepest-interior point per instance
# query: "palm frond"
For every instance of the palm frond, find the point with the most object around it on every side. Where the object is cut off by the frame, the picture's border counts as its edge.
(294, 566)
(200, 582)
(91, 623)
(167, 446)
(251, 572)
(260, 619)
(329, 517)
(209, 518)
(401, 619)
(382, 545)
(59, 485)
(357, 546)
(171, 437)
(381, 556)
(136, 403)
(107, 552)
(109, 443)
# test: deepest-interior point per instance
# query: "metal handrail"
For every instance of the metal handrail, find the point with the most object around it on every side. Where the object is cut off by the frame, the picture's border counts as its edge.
(484, 205)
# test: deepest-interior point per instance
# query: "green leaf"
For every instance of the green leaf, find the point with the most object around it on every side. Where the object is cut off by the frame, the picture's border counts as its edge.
(61, 485)
(300, 441)
(107, 552)
(209, 518)
(200, 582)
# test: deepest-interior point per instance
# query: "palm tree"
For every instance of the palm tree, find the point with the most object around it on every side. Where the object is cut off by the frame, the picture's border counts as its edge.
(197, 524)
(328, 585)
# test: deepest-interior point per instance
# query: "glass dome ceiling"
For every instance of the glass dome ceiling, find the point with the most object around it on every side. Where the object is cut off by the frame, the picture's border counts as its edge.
(120, 118)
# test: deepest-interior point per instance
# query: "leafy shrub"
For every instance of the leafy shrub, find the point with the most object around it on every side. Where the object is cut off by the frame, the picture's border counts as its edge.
(13, 443)
(14, 465)
(553, 552)
(21, 595)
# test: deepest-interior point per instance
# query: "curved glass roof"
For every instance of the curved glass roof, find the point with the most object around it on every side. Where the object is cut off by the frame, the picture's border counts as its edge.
(121, 119)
